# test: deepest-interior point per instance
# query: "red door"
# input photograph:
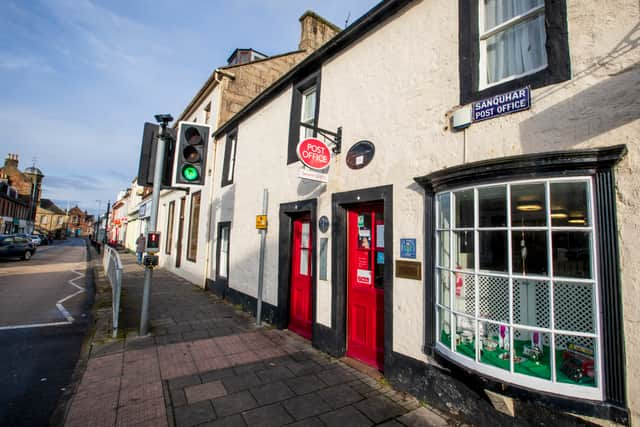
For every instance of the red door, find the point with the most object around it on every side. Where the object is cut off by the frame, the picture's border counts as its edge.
(300, 308)
(365, 285)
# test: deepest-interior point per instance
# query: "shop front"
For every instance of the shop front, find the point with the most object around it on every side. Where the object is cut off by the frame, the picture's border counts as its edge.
(522, 276)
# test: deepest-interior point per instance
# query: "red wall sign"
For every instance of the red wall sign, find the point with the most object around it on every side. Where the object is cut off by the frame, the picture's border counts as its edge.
(314, 153)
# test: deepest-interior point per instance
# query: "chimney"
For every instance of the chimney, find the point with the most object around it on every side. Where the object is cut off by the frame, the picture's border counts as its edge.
(315, 31)
(11, 161)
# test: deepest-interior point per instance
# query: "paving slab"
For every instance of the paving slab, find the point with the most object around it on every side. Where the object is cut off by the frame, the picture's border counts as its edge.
(206, 364)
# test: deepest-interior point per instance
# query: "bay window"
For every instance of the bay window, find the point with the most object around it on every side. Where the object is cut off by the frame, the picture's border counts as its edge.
(522, 284)
(517, 291)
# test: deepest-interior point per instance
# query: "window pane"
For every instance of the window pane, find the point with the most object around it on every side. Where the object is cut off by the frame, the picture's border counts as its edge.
(444, 210)
(304, 262)
(224, 251)
(492, 207)
(532, 353)
(463, 250)
(308, 106)
(517, 50)
(444, 257)
(194, 223)
(574, 307)
(304, 241)
(465, 296)
(465, 336)
(495, 345)
(528, 206)
(529, 252)
(444, 287)
(232, 159)
(571, 254)
(575, 360)
(569, 204)
(493, 298)
(492, 247)
(463, 208)
(531, 303)
(444, 326)
(498, 11)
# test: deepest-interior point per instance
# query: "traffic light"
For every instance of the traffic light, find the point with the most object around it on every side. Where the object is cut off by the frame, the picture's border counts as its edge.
(153, 242)
(191, 154)
(148, 155)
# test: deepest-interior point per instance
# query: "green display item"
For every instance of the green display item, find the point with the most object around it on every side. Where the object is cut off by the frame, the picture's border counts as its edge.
(540, 369)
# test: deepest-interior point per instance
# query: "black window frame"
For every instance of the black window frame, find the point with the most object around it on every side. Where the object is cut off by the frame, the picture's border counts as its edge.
(598, 163)
(296, 110)
(227, 158)
(221, 225)
(193, 214)
(557, 45)
(170, 221)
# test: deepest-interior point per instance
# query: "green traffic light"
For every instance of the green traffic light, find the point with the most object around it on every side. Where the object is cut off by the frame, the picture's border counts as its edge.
(190, 173)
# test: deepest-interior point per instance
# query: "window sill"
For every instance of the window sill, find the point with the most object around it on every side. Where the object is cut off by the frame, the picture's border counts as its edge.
(592, 408)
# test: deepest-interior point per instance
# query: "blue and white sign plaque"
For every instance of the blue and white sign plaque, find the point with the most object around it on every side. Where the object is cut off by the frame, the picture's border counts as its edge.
(408, 248)
(500, 105)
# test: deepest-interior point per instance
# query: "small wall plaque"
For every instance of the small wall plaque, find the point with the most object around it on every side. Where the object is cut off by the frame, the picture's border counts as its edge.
(409, 269)
(360, 154)
(408, 248)
(323, 223)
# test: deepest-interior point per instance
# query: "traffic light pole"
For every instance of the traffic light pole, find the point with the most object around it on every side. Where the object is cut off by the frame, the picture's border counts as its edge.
(155, 201)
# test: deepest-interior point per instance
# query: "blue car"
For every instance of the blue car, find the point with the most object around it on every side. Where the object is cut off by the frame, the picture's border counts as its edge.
(15, 246)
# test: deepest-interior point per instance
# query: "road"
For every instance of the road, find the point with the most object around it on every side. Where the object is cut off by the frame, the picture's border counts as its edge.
(44, 313)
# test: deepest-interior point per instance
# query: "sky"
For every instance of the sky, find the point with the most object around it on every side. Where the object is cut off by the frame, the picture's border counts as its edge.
(78, 78)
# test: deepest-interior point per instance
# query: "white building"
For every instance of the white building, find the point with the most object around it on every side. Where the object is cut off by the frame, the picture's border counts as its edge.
(502, 250)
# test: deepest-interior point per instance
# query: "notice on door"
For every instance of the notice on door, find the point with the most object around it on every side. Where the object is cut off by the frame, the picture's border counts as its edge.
(363, 276)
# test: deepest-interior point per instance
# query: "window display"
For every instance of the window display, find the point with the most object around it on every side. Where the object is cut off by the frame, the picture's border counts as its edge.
(515, 278)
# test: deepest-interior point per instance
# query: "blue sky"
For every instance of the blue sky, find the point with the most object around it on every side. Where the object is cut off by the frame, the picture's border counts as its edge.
(78, 78)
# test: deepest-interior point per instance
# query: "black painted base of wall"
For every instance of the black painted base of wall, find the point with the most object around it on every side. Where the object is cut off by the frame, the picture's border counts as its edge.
(456, 390)
(270, 313)
(324, 339)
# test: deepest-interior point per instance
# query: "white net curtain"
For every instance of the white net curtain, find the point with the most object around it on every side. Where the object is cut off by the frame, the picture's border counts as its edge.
(517, 48)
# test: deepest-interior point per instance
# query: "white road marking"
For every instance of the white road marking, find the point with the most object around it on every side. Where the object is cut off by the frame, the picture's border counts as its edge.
(59, 305)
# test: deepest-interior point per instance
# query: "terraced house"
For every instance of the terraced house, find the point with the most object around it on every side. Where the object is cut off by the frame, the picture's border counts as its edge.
(474, 230)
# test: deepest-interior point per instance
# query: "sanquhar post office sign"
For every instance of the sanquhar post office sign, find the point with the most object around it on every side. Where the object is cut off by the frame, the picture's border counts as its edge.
(500, 105)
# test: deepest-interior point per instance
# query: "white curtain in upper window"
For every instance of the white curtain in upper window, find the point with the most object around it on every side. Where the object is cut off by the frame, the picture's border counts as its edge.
(518, 49)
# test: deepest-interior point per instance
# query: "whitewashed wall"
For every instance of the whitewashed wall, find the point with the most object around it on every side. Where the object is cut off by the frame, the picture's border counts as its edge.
(394, 88)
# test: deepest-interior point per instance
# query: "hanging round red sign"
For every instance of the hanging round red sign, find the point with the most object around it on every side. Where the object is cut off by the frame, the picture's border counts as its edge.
(314, 153)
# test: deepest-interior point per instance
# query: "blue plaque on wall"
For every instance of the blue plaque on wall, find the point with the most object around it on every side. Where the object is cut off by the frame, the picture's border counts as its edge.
(408, 248)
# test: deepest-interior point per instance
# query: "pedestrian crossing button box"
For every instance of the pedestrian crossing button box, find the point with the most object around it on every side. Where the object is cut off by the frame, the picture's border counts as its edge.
(153, 242)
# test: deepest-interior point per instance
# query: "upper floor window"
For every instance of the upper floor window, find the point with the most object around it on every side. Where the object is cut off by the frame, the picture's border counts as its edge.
(512, 39)
(229, 158)
(508, 44)
(305, 104)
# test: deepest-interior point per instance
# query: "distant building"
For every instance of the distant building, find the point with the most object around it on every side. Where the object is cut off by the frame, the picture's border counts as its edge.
(20, 193)
(79, 222)
(50, 219)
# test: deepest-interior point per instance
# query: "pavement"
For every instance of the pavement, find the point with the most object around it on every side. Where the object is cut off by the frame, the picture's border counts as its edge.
(206, 363)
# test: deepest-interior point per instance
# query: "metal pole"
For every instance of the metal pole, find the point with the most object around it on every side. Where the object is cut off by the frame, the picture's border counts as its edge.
(155, 201)
(263, 238)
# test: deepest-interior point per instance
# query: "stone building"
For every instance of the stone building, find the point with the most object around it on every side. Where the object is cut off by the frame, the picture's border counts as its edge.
(50, 219)
(475, 230)
(28, 186)
(184, 218)
(80, 223)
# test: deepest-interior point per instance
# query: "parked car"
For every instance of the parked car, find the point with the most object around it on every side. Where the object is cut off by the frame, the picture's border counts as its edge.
(13, 246)
(36, 239)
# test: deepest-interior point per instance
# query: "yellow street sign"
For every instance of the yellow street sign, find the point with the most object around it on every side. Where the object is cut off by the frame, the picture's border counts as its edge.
(261, 222)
